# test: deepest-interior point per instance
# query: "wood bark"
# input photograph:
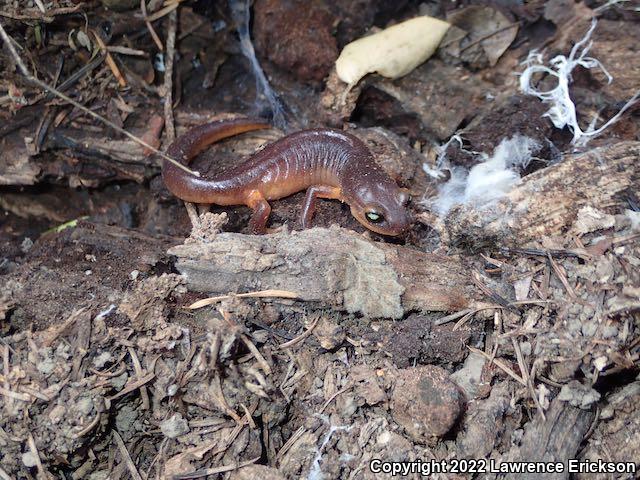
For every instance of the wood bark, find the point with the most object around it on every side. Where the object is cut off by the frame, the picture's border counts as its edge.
(554, 439)
(546, 202)
(334, 267)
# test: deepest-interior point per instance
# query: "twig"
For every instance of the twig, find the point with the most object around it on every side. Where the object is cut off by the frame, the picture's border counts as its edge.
(289, 443)
(217, 383)
(562, 277)
(25, 397)
(259, 294)
(126, 456)
(110, 61)
(168, 76)
(59, 94)
(500, 364)
(42, 473)
(163, 11)
(453, 316)
(134, 385)
(256, 353)
(333, 397)
(526, 376)
(152, 32)
(302, 336)
(90, 426)
(137, 368)
(215, 471)
(122, 50)
(4, 475)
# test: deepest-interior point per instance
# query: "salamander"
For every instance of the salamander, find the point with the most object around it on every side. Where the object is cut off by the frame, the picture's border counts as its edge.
(327, 163)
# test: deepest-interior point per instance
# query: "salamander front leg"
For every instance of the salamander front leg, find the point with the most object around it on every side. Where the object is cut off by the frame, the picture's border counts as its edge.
(261, 211)
(314, 192)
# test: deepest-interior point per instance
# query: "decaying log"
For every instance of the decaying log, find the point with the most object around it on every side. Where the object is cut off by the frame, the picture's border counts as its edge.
(554, 439)
(546, 202)
(334, 267)
(16, 166)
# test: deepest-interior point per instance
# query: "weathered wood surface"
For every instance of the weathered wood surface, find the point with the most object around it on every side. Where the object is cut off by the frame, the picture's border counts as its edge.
(547, 201)
(334, 267)
(554, 439)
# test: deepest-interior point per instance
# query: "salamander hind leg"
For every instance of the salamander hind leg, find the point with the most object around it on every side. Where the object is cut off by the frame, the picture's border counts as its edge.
(314, 192)
(261, 211)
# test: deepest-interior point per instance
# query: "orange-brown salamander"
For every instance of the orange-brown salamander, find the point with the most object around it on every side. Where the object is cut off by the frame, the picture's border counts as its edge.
(328, 163)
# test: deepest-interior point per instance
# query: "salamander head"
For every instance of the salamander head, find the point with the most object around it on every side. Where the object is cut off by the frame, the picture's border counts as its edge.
(381, 207)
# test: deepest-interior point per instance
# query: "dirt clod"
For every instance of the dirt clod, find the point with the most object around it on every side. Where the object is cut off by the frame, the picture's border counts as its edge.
(425, 402)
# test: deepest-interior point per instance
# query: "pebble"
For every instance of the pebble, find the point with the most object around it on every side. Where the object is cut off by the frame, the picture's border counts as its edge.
(425, 402)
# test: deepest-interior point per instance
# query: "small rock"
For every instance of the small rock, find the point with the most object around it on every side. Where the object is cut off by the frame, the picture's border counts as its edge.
(174, 426)
(609, 331)
(101, 360)
(604, 269)
(469, 376)
(100, 475)
(366, 385)
(46, 366)
(56, 414)
(578, 395)
(29, 460)
(589, 329)
(84, 405)
(601, 362)
(329, 334)
(425, 402)
(26, 245)
(251, 472)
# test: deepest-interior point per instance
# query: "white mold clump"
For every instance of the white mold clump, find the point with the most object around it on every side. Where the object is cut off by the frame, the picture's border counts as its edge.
(488, 180)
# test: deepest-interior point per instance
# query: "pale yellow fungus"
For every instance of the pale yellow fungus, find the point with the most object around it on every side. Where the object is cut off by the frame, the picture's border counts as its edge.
(392, 52)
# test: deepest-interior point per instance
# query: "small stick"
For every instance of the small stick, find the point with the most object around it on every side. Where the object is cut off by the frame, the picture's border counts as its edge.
(59, 94)
(137, 368)
(562, 277)
(168, 75)
(289, 443)
(526, 376)
(4, 475)
(154, 35)
(215, 470)
(259, 294)
(134, 385)
(111, 62)
(500, 364)
(163, 11)
(42, 473)
(302, 336)
(334, 396)
(126, 456)
(256, 353)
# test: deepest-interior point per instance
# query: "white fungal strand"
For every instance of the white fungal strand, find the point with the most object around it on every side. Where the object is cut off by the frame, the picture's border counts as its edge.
(562, 111)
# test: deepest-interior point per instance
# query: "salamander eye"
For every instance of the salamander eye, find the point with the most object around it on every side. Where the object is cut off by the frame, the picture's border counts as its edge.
(374, 217)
